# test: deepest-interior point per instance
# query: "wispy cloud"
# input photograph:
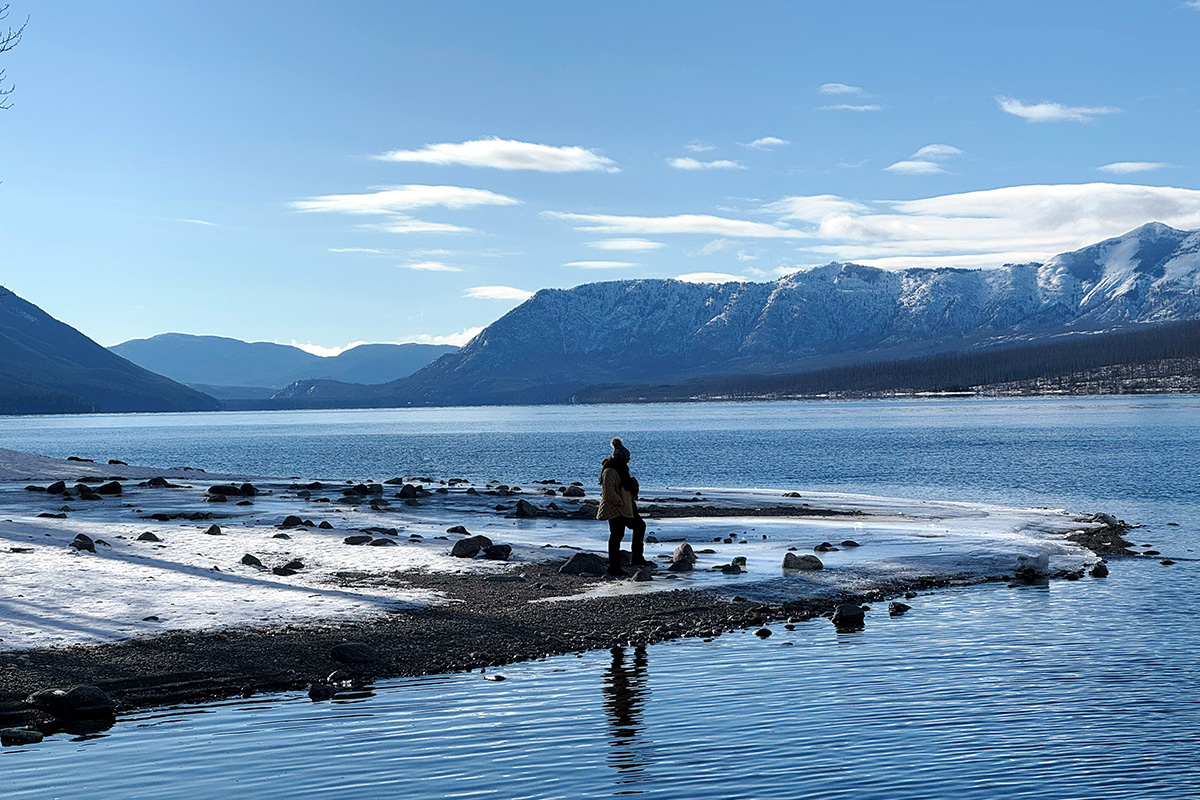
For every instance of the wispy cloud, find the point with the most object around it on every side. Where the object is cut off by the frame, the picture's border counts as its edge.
(497, 293)
(627, 245)
(203, 222)
(507, 154)
(369, 250)
(767, 143)
(455, 339)
(1052, 112)
(839, 88)
(397, 199)
(430, 266)
(400, 223)
(690, 163)
(696, 146)
(600, 264)
(715, 246)
(926, 161)
(1129, 167)
(984, 228)
(710, 277)
(679, 223)
(853, 107)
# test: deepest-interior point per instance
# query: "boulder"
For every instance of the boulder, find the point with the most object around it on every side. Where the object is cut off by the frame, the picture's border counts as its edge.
(283, 572)
(112, 487)
(643, 574)
(291, 521)
(573, 491)
(357, 539)
(683, 553)
(849, 616)
(470, 547)
(325, 526)
(58, 487)
(458, 529)
(353, 653)
(83, 542)
(248, 490)
(763, 633)
(825, 547)
(807, 563)
(850, 543)
(1100, 570)
(896, 608)
(739, 562)
(79, 701)
(682, 565)
(13, 737)
(225, 490)
(497, 552)
(251, 561)
(117, 462)
(382, 542)
(407, 492)
(148, 537)
(319, 692)
(214, 530)
(584, 564)
(525, 509)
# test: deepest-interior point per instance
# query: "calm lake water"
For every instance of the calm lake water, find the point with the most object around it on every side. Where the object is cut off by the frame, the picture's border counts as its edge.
(1079, 690)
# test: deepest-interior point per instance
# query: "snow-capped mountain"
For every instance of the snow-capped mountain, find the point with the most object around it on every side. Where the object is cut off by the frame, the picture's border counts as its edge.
(650, 331)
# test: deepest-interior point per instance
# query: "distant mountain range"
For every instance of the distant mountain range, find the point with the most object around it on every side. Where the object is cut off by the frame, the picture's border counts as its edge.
(562, 344)
(48, 367)
(231, 369)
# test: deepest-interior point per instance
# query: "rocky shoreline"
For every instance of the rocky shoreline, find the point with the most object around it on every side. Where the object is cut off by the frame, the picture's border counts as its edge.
(488, 623)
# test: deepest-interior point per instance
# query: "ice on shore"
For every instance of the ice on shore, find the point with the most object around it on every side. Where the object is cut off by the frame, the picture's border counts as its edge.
(53, 595)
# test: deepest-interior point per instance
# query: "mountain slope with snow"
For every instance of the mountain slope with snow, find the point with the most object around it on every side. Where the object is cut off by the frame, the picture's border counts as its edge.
(647, 331)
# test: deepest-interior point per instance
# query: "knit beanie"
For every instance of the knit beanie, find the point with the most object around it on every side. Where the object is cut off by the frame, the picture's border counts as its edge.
(620, 451)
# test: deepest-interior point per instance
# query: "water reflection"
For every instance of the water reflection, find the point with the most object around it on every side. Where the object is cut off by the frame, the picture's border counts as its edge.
(625, 695)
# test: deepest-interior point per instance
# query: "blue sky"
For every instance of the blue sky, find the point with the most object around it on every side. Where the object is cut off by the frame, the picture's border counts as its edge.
(327, 174)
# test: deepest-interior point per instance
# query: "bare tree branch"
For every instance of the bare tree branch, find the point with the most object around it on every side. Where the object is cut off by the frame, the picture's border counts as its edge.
(9, 39)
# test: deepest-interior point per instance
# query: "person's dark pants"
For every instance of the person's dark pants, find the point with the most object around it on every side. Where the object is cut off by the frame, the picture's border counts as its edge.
(616, 531)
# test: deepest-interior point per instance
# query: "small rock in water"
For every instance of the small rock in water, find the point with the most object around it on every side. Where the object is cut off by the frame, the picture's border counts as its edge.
(320, 692)
(14, 737)
(763, 633)
(470, 547)
(1099, 570)
(251, 561)
(214, 530)
(850, 543)
(896, 609)
(807, 563)
(525, 509)
(325, 526)
(848, 617)
(496, 678)
(381, 542)
(739, 561)
(1166, 562)
(497, 552)
(825, 547)
(148, 537)
(358, 539)
(291, 521)
(458, 529)
(58, 487)
(281, 536)
(79, 701)
(83, 542)
(112, 487)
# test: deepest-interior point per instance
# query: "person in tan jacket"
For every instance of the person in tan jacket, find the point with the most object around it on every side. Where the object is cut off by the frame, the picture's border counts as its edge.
(618, 505)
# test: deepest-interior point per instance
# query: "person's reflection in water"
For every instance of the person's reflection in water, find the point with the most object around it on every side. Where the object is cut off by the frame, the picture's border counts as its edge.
(625, 694)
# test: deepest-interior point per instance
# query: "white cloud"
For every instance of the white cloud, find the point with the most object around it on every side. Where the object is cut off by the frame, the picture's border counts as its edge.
(839, 88)
(743, 255)
(456, 339)
(1052, 112)
(985, 228)
(324, 352)
(694, 164)
(630, 245)
(696, 146)
(1128, 167)
(716, 246)
(853, 107)
(926, 161)
(600, 264)
(430, 266)
(936, 152)
(497, 293)
(710, 277)
(396, 199)
(1193, 4)
(507, 154)
(915, 168)
(767, 143)
(400, 223)
(680, 223)
(203, 222)
(370, 250)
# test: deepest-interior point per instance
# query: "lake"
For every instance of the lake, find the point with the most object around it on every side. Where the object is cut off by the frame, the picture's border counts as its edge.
(1082, 689)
